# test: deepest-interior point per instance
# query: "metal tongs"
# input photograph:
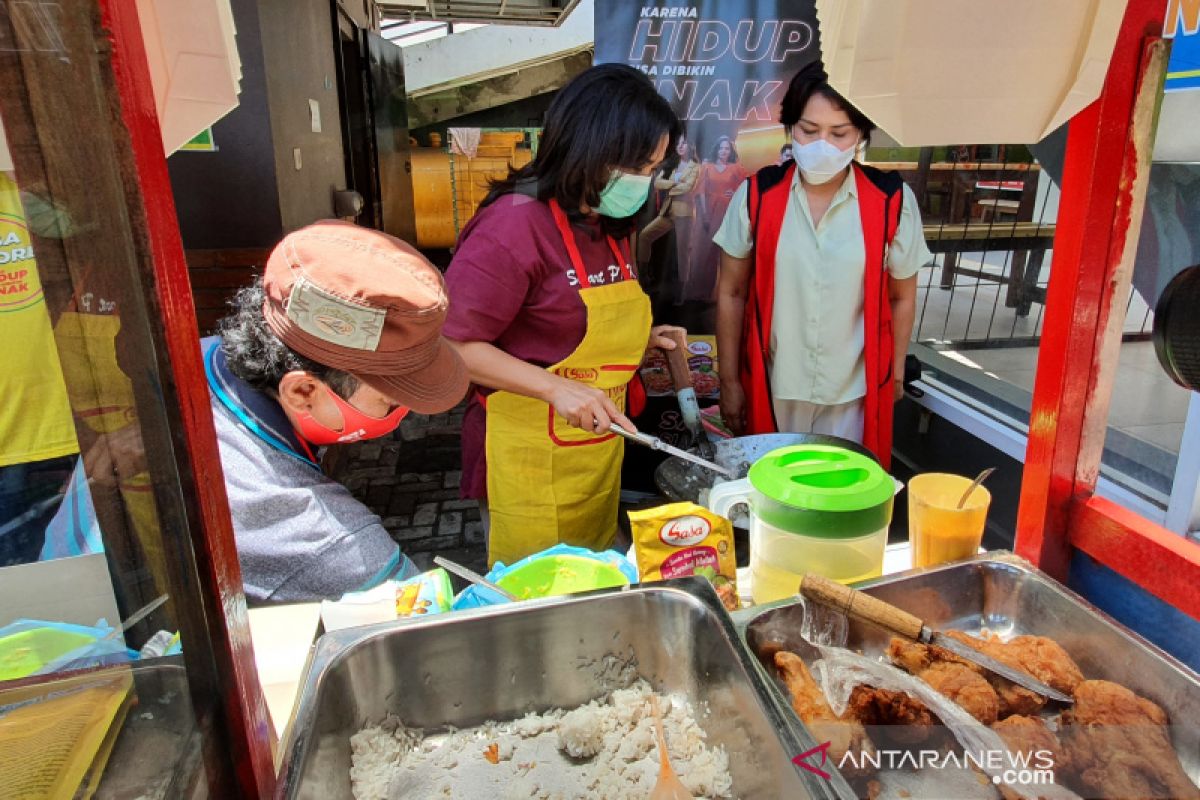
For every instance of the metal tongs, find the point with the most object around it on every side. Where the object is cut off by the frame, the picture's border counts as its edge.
(655, 443)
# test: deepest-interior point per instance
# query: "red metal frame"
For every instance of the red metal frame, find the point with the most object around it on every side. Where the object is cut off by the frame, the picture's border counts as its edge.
(1106, 162)
(247, 723)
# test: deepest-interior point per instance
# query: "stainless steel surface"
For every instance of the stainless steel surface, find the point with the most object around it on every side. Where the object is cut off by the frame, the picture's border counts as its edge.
(1009, 597)
(1004, 671)
(680, 481)
(472, 576)
(655, 443)
(503, 661)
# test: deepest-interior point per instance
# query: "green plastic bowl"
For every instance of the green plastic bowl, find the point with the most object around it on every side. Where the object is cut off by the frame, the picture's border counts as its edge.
(24, 653)
(558, 575)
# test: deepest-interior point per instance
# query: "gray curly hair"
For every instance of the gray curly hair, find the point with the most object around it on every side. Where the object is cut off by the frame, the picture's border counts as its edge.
(256, 355)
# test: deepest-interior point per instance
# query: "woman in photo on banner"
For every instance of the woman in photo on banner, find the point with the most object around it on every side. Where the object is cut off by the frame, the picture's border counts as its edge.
(675, 211)
(720, 177)
(818, 283)
(551, 320)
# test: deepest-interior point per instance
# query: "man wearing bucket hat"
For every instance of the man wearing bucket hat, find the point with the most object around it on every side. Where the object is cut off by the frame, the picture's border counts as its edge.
(336, 343)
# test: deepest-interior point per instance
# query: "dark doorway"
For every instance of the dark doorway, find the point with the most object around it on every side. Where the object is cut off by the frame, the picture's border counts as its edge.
(375, 127)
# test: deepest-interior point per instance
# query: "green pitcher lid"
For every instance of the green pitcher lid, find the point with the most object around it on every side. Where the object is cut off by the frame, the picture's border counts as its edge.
(821, 478)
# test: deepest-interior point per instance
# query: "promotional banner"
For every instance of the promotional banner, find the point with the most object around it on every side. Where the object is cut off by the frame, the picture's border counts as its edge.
(724, 65)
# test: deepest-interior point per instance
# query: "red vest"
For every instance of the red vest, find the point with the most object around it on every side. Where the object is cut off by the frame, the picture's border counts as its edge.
(879, 202)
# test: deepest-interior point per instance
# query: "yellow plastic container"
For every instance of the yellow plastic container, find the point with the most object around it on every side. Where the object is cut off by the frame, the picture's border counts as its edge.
(938, 530)
(26, 652)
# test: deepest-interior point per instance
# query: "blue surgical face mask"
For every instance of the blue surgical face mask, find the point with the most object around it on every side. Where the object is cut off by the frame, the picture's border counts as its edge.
(624, 195)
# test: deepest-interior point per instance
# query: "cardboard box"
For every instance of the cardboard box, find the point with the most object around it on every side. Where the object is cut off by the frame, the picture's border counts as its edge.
(934, 72)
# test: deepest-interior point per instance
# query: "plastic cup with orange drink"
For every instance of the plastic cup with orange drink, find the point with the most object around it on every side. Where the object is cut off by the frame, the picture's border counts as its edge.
(939, 531)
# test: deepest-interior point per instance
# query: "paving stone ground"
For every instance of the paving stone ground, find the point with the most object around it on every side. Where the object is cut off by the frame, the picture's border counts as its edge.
(411, 480)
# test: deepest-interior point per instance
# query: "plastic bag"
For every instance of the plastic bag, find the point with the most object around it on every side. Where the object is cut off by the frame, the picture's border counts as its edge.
(36, 647)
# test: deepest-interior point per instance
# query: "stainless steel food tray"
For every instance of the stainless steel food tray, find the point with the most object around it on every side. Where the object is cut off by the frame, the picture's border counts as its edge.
(1009, 597)
(502, 662)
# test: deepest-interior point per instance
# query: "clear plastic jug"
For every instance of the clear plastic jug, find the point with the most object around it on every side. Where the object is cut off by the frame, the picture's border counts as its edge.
(813, 508)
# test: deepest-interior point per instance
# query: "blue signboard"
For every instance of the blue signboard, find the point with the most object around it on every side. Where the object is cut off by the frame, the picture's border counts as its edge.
(1183, 26)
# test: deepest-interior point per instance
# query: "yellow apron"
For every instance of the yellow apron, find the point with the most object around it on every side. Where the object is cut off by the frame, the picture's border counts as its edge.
(548, 481)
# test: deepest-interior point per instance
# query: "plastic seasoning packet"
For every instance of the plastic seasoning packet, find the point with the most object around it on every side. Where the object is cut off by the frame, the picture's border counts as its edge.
(682, 539)
(419, 596)
(427, 593)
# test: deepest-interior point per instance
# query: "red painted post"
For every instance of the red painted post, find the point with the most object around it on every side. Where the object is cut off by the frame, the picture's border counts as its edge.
(1098, 206)
(244, 735)
(1163, 563)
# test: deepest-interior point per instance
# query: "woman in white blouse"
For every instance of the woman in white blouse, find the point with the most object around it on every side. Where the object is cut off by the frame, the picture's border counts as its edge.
(817, 289)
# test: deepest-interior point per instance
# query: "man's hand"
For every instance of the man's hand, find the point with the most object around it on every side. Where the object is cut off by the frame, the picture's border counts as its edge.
(586, 407)
(733, 406)
(660, 337)
(899, 390)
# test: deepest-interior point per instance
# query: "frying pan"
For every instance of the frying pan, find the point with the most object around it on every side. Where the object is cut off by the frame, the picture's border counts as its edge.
(683, 481)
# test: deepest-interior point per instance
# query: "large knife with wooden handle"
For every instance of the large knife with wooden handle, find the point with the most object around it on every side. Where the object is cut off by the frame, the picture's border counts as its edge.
(864, 608)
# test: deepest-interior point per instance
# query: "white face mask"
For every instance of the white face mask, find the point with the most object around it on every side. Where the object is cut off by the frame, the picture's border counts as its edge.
(820, 161)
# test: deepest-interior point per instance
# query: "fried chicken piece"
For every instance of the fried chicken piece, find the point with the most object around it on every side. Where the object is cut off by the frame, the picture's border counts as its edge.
(907, 719)
(1118, 745)
(1014, 699)
(1031, 744)
(873, 706)
(966, 687)
(912, 657)
(1029, 736)
(728, 595)
(807, 698)
(1046, 660)
(960, 681)
(844, 735)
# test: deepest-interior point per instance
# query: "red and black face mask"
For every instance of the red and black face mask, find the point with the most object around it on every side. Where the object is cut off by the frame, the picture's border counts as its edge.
(356, 424)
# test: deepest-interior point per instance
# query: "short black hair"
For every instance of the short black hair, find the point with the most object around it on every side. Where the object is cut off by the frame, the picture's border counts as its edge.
(811, 80)
(608, 116)
(256, 355)
(716, 151)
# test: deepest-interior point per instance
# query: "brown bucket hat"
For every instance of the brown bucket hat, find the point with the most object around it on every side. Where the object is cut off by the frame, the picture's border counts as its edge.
(366, 303)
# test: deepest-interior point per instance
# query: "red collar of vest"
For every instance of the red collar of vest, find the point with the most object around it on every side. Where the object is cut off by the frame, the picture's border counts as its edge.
(879, 208)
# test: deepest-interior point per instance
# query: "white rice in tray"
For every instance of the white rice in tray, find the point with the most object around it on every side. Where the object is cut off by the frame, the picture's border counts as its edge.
(605, 749)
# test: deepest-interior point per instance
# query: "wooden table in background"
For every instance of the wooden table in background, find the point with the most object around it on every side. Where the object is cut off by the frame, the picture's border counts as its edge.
(1028, 242)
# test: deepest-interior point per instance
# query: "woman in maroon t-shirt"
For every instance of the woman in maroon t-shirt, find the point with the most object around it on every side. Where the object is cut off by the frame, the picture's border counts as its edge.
(551, 321)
